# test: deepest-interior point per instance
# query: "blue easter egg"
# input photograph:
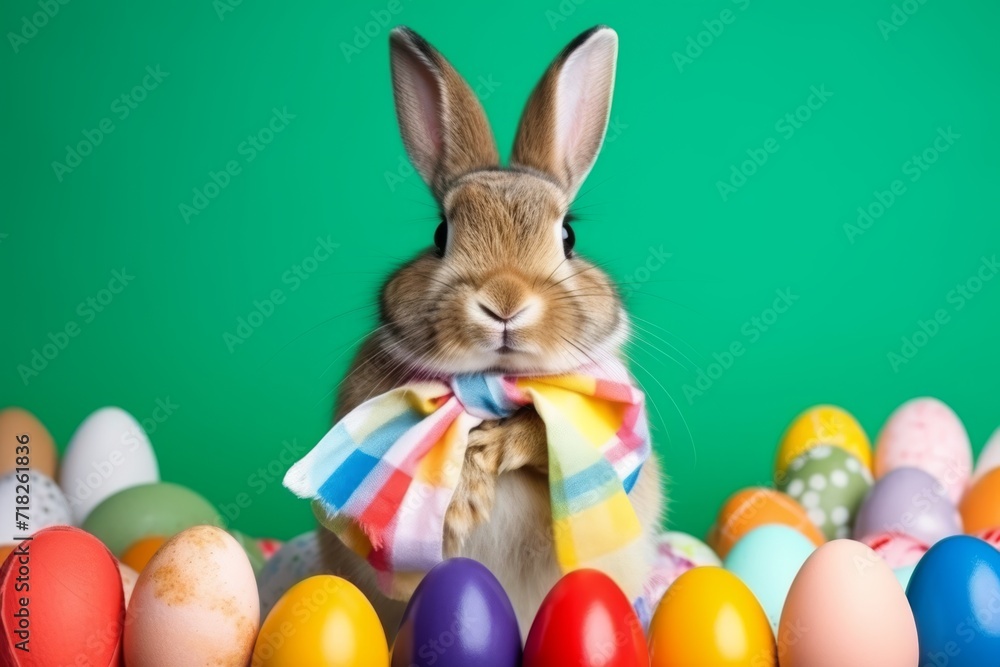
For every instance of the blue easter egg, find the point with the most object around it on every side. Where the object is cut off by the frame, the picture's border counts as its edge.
(955, 596)
(767, 559)
(459, 615)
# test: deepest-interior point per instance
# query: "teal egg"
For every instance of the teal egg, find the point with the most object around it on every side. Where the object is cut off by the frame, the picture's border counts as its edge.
(830, 483)
(160, 508)
(767, 559)
(903, 574)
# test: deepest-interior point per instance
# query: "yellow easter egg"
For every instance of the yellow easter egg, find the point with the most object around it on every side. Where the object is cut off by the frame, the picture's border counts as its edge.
(823, 425)
(709, 617)
(323, 620)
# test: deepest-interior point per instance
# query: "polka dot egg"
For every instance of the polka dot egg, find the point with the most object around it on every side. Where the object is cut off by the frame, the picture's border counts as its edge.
(830, 484)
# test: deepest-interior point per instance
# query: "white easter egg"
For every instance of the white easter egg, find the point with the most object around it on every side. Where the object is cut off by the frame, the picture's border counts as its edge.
(989, 458)
(108, 452)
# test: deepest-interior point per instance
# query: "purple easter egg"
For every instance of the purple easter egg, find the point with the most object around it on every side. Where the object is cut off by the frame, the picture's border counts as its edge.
(909, 501)
(459, 615)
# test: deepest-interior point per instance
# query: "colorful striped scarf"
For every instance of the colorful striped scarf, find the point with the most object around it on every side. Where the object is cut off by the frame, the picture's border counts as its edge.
(385, 475)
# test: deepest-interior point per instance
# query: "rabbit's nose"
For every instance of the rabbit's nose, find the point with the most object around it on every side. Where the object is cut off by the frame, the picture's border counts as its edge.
(502, 316)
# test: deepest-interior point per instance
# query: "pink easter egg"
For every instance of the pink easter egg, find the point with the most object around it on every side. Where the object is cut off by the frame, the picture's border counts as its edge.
(925, 433)
(897, 549)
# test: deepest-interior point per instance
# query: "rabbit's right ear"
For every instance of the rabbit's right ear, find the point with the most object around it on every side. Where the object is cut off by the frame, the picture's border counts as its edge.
(444, 127)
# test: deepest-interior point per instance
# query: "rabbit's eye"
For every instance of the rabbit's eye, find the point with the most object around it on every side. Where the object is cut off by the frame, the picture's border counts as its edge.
(441, 237)
(569, 239)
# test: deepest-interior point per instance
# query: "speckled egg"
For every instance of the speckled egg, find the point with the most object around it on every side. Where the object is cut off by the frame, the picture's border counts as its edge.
(830, 484)
(47, 506)
(297, 560)
(925, 433)
(194, 603)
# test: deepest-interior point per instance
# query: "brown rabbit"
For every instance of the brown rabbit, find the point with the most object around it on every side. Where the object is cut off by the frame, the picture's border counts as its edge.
(501, 291)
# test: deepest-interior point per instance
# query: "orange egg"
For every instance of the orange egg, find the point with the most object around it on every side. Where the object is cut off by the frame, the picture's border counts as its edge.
(19, 429)
(5, 550)
(980, 508)
(754, 507)
(141, 551)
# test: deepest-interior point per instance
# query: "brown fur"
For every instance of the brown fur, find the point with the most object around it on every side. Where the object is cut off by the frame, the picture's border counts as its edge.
(504, 263)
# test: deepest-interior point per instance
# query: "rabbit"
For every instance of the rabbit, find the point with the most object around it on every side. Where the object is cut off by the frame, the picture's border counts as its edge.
(500, 290)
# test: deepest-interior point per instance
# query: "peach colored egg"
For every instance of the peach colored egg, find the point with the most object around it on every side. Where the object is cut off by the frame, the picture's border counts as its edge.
(21, 434)
(754, 507)
(846, 607)
(196, 599)
(989, 458)
(925, 433)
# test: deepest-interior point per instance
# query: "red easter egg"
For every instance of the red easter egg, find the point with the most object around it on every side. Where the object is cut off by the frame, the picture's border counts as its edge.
(72, 589)
(586, 621)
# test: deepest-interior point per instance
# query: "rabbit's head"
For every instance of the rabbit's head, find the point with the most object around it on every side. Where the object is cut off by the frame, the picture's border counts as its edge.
(502, 289)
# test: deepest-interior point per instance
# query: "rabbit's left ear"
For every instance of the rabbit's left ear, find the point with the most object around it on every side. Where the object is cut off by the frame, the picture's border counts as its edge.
(564, 123)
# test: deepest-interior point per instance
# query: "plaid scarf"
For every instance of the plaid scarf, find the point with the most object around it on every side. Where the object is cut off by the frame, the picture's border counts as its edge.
(385, 475)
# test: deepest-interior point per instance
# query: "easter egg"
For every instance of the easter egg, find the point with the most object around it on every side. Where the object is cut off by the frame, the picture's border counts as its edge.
(955, 595)
(908, 500)
(269, 547)
(709, 617)
(990, 536)
(690, 547)
(766, 560)
(194, 603)
(75, 604)
(989, 457)
(47, 506)
(129, 579)
(298, 559)
(252, 550)
(751, 508)
(461, 601)
(140, 552)
(823, 425)
(903, 574)
(830, 484)
(22, 435)
(980, 507)
(925, 433)
(586, 621)
(897, 549)
(161, 508)
(323, 620)
(846, 607)
(5, 550)
(108, 452)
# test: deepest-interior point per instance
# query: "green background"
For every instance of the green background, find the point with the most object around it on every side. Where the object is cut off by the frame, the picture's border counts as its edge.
(677, 131)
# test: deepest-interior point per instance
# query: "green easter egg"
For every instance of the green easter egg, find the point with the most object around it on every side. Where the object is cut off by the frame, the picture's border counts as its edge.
(160, 508)
(252, 549)
(830, 483)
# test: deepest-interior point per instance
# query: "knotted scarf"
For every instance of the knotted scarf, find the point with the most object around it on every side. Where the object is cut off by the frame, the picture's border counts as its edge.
(386, 473)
